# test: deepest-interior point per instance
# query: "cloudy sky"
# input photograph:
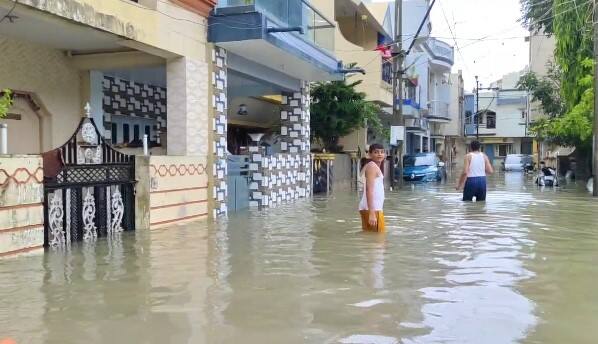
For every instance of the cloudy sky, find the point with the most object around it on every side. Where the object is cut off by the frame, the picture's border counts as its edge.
(490, 39)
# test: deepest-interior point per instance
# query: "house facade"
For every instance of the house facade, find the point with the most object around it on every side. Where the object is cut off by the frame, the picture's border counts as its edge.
(502, 122)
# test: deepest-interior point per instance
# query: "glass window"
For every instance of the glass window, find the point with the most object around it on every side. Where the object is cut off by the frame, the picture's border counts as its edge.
(491, 121)
(126, 133)
(136, 132)
(114, 132)
(420, 160)
(504, 150)
(148, 132)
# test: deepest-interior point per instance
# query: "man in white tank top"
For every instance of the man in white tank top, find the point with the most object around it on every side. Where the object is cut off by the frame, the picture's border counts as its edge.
(473, 179)
(372, 200)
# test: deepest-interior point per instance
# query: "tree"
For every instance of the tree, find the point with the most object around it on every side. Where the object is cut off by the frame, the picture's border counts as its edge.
(5, 102)
(537, 15)
(566, 93)
(337, 109)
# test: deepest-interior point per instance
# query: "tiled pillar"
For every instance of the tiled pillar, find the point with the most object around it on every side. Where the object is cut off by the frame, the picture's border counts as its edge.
(219, 103)
(260, 183)
(295, 135)
(187, 107)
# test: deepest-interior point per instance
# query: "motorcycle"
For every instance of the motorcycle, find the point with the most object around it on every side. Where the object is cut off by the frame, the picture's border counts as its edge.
(547, 177)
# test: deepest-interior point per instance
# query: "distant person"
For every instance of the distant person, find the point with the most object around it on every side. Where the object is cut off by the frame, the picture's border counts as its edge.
(473, 179)
(372, 200)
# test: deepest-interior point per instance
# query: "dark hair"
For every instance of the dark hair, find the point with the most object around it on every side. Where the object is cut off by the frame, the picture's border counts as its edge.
(475, 145)
(375, 146)
(365, 161)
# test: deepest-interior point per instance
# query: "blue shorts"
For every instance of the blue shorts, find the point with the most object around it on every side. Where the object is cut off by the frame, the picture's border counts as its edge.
(475, 187)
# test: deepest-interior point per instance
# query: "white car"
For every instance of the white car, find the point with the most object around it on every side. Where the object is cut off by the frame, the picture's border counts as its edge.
(517, 162)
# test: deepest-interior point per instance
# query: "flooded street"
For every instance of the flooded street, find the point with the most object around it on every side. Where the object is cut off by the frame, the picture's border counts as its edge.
(521, 268)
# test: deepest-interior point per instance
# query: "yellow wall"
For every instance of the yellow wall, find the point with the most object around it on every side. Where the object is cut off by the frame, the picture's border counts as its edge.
(167, 30)
(50, 75)
(21, 211)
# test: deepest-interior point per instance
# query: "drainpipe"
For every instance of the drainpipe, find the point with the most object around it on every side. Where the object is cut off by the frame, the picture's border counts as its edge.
(3, 139)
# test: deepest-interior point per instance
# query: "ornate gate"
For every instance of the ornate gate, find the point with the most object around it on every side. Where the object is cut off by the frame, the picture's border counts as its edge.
(88, 189)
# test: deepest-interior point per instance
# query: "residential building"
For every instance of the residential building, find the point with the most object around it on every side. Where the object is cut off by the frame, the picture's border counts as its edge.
(192, 77)
(361, 27)
(427, 92)
(449, 138)
(501, 122)
(143, 67)
(267, 54)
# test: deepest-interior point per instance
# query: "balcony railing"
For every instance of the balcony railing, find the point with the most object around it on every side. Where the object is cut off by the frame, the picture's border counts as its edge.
(442, 50)
(292, 13)
(439, 109)
(471, 129)
(387, 71)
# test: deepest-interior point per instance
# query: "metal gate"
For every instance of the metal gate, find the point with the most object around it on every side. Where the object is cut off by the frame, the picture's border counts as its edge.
(88, 189)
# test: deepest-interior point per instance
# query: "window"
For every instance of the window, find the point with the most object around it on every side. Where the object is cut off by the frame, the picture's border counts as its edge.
(126, 133)
(491, 121)
(527, 147)
(504, 149)
(148, 132)
(468, 116)
(136, 132)
(114, 132)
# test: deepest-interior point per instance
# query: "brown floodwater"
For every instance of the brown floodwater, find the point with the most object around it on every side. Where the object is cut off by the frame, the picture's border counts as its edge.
(520, 268)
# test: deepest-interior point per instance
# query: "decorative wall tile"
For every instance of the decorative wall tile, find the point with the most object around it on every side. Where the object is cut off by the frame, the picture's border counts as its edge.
(219, 103)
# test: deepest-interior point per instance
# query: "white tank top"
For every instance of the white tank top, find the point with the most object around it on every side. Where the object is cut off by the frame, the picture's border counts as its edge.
(378, 191)
(477, 166)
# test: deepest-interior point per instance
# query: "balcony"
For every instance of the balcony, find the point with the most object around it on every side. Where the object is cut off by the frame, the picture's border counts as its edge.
(373, 83)
(411, 109)
(289, 35)
(442, 54)
(438, 112)
(471, 129)
(417, 125)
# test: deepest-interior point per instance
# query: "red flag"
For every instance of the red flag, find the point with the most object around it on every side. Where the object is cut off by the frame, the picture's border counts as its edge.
(384, 50)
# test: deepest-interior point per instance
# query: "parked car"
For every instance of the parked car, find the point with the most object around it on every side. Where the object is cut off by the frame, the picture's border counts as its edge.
(518, 162)
(424, 167)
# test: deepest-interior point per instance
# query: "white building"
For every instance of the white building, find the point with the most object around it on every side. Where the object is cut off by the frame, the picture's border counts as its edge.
(503, 121)
(427, 92)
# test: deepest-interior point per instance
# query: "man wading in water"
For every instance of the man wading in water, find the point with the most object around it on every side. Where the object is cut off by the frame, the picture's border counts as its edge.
(477, 165)
(372, 201)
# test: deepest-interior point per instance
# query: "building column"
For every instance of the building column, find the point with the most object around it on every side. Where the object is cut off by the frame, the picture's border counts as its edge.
(219, 127)
(187, 107)
(430, 144)
(421, 143)
(295, 135)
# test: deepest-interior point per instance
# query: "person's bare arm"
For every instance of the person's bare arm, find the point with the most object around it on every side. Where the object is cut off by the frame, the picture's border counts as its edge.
(463, 176)
(370, 178)
(489, 168)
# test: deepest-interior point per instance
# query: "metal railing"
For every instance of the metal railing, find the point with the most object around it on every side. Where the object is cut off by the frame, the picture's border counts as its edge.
(438, 109)
(387, 71)
(441, 50)
(293, 13)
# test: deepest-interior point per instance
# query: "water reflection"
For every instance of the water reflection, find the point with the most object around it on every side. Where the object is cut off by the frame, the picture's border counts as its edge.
(518, 268)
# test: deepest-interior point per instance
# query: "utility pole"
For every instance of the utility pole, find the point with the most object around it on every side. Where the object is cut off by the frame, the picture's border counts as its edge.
(477, 108)
(595, 146)
(397, 87)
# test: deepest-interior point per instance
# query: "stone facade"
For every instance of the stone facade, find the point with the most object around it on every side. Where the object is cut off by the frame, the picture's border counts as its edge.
(287, 176)
(128, 98)
(187, 107)
(219, 103)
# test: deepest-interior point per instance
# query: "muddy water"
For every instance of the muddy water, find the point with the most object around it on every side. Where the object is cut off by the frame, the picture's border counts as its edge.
(521, 268)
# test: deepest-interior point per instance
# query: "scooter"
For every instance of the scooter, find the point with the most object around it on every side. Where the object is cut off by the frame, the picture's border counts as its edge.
(547, 177)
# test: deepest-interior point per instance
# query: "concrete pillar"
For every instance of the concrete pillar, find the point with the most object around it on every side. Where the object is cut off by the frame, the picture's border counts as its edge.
(187, 107)
(421, 143)
(219, 134)
(430, 144)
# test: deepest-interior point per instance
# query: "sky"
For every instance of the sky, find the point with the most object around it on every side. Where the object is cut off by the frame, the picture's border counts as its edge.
(491, 41)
